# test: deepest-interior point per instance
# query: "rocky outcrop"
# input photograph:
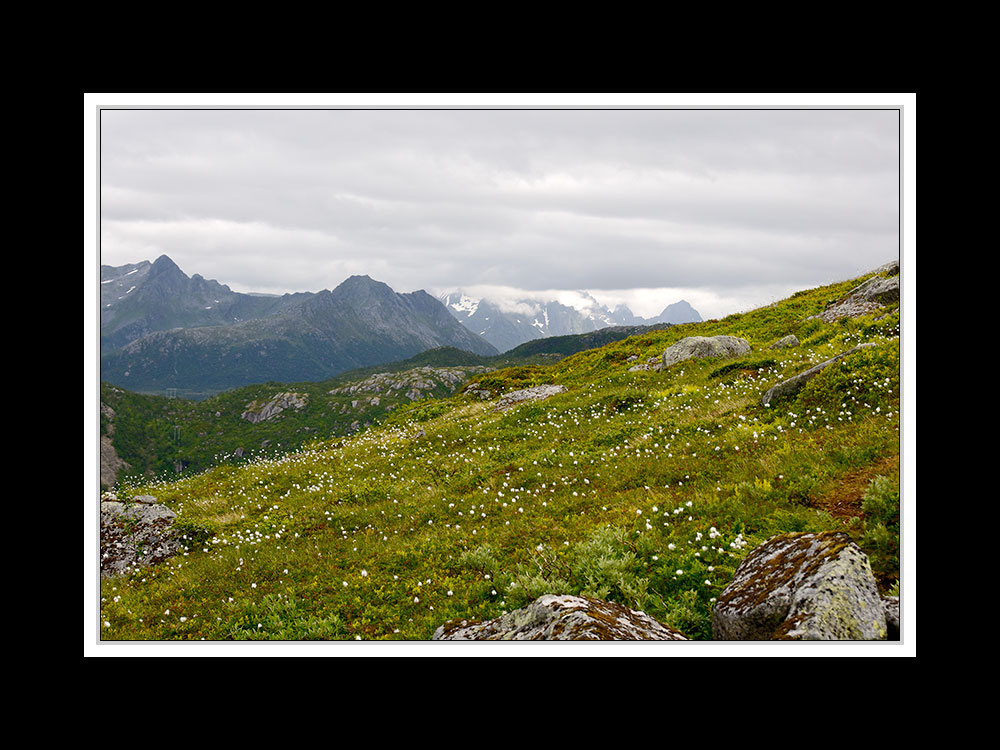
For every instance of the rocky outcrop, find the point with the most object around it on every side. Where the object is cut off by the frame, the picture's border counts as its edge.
(111, 463)
(261, 411)
(700, 347)
(794, 384)
(653, 363)
(415, 383)
(786, 342)
(537, 393)
(801, 586)
(562, 618)
(869, 297)
(136, 534)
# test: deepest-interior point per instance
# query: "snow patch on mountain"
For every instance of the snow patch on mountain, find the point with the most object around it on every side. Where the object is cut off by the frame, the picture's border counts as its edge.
(461, 303)
(506, 318)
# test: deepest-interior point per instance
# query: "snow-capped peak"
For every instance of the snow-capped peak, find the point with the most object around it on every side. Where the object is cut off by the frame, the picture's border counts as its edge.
(461, 302)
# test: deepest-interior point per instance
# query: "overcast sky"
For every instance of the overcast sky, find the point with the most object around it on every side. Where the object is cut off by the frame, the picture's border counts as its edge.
(729, 209)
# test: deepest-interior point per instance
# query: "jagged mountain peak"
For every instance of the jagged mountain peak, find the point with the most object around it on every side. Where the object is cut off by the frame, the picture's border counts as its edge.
(164, 263)
(679, 312)
(171, 331)
(362, 284)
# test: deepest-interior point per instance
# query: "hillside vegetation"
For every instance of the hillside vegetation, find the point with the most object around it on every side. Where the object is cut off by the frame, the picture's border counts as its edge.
(642, 487)
(157, 436)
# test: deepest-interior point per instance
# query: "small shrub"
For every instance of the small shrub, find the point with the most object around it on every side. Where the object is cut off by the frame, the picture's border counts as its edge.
(687, 613)
(880, 538)
(602, 567)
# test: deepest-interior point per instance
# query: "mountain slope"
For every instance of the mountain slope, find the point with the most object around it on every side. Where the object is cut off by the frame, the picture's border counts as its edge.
(678, 312)
(646, 488)
(139, 299)
(156, 435)
(291, 338)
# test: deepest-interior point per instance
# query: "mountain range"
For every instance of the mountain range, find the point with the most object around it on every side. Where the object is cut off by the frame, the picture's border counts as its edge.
(161, 329)
(506, 324)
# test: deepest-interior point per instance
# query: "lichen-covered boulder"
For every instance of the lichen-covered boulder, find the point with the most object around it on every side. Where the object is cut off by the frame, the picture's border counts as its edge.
(801, 586)
(136, 535)
(700, 347)
(562, 618)
(537, 393)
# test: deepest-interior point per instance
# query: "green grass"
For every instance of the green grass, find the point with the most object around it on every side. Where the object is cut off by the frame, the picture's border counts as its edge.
(646, 488)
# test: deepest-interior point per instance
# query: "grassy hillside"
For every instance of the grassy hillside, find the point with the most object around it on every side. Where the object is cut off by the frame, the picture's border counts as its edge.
(160, 436)
(645, 487)
(163, 437)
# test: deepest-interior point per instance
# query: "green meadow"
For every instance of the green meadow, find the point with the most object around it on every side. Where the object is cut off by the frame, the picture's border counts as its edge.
(646, 488)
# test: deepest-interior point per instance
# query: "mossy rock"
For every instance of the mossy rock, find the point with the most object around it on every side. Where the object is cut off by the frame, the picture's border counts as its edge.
(562, 618)
(801, 586)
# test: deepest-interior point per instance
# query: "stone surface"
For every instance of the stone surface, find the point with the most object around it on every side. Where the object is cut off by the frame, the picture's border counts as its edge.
(699, 347)
(537, 393)
(261, 411)
(890, 605)
(111, 463)
(786, 343)
(562, 618)
(136, 535)
(414, 381)
(866, 298)
(793, 385)
(801, 586)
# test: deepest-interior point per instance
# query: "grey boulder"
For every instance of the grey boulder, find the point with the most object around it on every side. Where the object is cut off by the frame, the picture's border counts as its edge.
(562, 618)
(801, 586)
(136, 535)
(538, 393)
(787, 342)
(700, 347)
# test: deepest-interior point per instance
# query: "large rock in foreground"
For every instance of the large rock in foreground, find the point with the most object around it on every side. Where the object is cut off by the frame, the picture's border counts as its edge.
(700, 347)
(537, 393)
(134, 536)
(562, 618)
(801, 586)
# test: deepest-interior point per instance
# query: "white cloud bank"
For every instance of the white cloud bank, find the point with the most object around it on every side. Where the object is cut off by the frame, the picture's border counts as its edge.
(726, 208)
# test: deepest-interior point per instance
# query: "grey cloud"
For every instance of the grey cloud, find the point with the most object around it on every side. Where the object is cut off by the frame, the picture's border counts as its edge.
(534, 199)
